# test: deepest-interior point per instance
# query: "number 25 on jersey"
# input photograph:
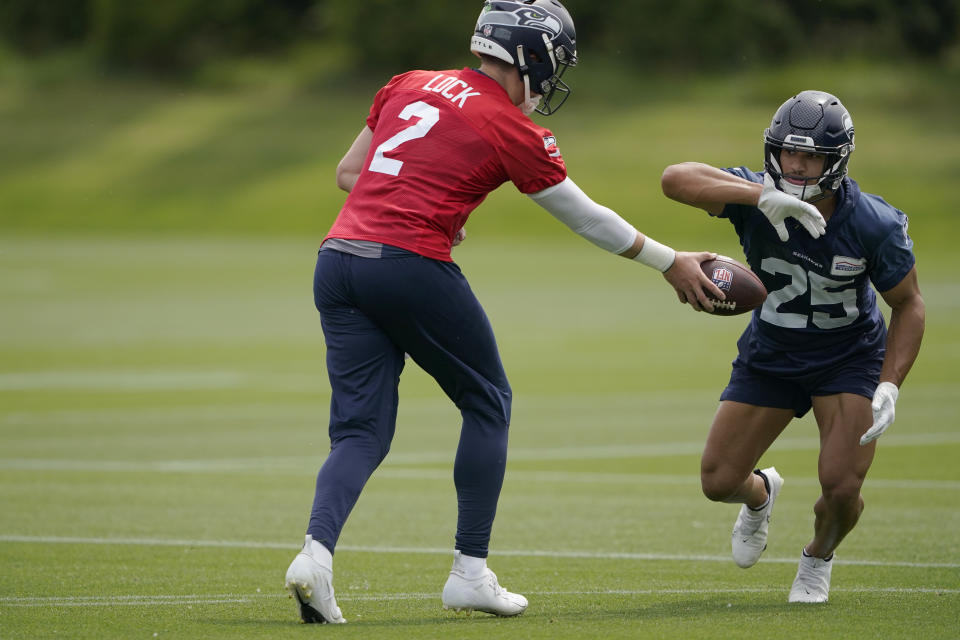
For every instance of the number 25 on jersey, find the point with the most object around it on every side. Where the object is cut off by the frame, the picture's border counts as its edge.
(820, 294)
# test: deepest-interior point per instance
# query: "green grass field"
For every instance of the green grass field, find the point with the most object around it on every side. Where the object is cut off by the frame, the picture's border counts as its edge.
(163, 416)
(163, 398)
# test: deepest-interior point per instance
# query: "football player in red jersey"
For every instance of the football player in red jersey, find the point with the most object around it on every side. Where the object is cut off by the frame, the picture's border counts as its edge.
(434, 145)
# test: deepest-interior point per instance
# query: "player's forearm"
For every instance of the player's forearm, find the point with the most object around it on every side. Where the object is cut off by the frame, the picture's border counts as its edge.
(907, 323)
(350, 166)
(347, 179)
(348, 171)
(594, 222)
(700, 185)
(602, 226)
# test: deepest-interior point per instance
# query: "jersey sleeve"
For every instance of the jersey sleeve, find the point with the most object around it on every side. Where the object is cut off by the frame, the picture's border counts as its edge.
(893, 257)
(737, 213)
(529, 154)
(380, 99)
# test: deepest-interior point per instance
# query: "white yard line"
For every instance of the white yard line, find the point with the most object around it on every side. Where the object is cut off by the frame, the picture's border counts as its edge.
(120, 381)
(604, 452)
(190, 600)
(305, 464)
(596, 555)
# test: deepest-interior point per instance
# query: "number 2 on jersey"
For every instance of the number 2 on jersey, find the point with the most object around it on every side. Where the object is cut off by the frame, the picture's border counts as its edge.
(428, 116)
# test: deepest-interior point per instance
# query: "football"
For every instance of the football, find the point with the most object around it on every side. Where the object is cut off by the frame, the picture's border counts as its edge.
(744, 290)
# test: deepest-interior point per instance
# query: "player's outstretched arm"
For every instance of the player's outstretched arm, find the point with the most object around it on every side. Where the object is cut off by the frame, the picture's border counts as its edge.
(907, 321)
(600, 225)
(710, 189)
(348, 171)
(604, 228)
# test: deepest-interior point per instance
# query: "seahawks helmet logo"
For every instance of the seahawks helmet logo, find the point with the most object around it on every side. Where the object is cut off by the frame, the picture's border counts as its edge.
(544, 21)
(521, 17)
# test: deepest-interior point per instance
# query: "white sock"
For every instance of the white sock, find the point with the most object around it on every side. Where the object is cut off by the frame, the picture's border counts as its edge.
(320, 553)
(470, 566)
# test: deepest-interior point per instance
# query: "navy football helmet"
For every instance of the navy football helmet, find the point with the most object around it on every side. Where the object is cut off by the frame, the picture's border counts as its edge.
(535, 36)
(814, 122)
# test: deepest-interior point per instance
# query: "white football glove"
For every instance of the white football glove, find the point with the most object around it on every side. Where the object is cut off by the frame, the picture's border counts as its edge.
(884, 399)
(778, 206)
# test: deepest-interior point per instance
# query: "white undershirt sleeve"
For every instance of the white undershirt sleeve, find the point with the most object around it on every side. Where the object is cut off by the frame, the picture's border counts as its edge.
(598, 224)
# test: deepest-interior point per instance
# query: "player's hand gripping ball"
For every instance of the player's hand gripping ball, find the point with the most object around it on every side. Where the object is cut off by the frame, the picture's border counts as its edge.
(744, 290)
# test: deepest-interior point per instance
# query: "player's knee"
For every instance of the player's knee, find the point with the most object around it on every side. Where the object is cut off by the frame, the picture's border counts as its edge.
(494, 401)
(500, 404)
(506, 398)
(719, 485)
(363, 437)
(844, 489)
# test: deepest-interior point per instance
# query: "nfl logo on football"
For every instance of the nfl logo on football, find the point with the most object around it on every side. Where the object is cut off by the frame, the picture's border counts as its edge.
(723, 278)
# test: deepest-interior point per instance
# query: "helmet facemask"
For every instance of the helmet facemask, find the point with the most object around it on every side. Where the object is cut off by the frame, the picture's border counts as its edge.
(831, 175)
(553, 91)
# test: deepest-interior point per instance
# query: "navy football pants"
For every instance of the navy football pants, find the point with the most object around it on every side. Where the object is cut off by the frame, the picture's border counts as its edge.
(372, 311)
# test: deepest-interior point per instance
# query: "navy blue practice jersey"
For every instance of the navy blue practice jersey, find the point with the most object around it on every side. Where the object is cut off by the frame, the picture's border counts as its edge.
(820, 309)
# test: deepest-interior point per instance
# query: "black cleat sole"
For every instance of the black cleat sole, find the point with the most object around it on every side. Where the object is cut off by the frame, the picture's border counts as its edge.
(309, 615)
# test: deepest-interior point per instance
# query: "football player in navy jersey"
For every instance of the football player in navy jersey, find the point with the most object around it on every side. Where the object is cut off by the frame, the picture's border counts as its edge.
(819, 341)
(434, 145)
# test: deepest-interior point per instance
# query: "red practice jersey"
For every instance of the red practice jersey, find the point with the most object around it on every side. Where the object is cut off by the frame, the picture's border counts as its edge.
(442, 140)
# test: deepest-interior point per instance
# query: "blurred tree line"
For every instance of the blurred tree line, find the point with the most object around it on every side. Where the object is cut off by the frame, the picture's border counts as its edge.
(174, 37)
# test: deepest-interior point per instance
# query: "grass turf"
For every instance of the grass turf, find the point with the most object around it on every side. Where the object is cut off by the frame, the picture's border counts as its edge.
(163, 415)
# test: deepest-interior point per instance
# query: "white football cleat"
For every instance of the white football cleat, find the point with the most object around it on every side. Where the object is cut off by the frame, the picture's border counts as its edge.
(479, 593)
(749, 537)
(310, 581)
(812, 583)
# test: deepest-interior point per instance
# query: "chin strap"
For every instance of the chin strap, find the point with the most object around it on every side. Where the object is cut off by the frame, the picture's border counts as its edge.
(529, 104)
(805, 192)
